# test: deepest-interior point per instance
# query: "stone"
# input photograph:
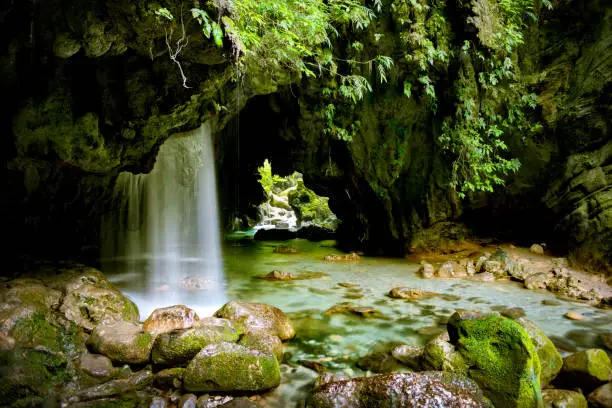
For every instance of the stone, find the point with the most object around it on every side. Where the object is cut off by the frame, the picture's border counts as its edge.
(96, 365)
(574, 316)
(551, 361)
(352, 257)
(188, 401)
(65, 46)
(158, 402)
(409, 293)
(169, 318)
(606, 340)
(483, 277)
(563, 399)
(169, 378)
(495, 268)
(513, 312)
(228, 367)
(601, 397)
(240, 402)
(122, 342)
(264, 341)
(258, 315)
(379, 362)
(136, 381)
(178, 347)
(426, 270)
(586, 369)
(278, 275)
(551, 302)
(440, 355)
(326, 378)
(446, 270)
(501, 358)
(89, 298)
(538, 280)
(410, 356)
(537, 249)
(352, 309)
(406, 390)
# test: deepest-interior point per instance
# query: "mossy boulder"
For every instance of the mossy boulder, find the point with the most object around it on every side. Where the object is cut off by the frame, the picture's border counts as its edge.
(178, 347)
(501, 359)
(169, 378)
(551, 361)
(122, 342)
(258, 315)
(586, 369)
(440, 355)
(264, 341)
(228, 367)
(311, 209)
(563, 399)
(407, 390)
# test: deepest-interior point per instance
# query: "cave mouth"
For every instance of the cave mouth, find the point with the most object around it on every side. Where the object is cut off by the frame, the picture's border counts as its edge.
(290, 208)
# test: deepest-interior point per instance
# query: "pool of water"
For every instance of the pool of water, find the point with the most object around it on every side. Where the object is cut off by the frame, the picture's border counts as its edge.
(338, 340)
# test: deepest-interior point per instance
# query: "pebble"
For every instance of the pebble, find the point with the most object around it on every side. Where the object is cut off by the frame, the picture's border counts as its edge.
(574, 316)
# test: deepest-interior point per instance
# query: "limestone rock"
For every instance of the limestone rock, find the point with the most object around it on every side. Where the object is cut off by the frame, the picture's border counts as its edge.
(96, 365)
(406, 390)
(179, 346)
(169, 318)
(227, 367)
(259, 316)
(446, 270)
(563, 399)
(122, 342)
(483, 277)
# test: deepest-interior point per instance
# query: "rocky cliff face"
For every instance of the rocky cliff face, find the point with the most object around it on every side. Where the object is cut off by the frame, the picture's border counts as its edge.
(93, 91)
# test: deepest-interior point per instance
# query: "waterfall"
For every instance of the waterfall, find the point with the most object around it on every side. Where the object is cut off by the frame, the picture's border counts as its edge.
(161, 244)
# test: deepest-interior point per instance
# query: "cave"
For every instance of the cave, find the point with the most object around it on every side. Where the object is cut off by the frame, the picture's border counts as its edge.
(462, 151)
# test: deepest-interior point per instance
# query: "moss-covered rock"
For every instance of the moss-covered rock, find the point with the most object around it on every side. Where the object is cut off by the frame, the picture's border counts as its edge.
(122, 342)
(229, 367)
(440, 355)
(169, 378)
(586, 369)
(551, 361)
(178, 347)
(264, 341)
(258, 315)
(501, 359)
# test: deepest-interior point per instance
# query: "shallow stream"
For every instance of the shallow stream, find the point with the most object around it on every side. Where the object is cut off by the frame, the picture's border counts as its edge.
(338, 340)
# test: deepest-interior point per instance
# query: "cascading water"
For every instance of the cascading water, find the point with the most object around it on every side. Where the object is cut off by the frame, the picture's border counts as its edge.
(164, 238)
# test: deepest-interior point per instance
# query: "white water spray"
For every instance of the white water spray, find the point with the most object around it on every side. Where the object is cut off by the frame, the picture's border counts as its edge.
(162, 244)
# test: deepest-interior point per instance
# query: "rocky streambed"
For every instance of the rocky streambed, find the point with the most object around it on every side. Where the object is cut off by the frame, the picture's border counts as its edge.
(341, 332)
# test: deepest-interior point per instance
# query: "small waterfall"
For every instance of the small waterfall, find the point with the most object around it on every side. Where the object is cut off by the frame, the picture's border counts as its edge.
(162, 243)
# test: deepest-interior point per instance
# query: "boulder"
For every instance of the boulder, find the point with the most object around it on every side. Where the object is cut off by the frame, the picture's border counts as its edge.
(601, 397)
(178, 347)
(537, 249)
(410, 356)
(405, 390)
(169, 318)
(551, 361)
(228, 367)
(96, 365)
(586, 369)
(563, 399)
(122, 342)
(258, 316)
(446, 270)
(440, 355)
(169, 378)
(501, 358)
(409, 293)
(264, 341)
(426, 270)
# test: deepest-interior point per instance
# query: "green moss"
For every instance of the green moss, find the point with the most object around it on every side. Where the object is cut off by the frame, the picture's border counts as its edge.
(502, 359)
(551, 361)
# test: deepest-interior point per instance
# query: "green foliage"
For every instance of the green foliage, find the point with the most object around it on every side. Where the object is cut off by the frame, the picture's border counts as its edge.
(266, 178)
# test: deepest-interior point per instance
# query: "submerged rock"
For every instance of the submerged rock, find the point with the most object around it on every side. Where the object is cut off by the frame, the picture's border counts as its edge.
(169, 318)
(284, 249)
(258, 315)
(409, 293)
(228, 367)
(122, 342)
(586, 369)
(399, 390)
(352, 309)
(426, 270)
(501, 358)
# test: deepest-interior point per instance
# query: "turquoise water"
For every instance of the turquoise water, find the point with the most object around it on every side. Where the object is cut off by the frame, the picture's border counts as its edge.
(338, 340)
